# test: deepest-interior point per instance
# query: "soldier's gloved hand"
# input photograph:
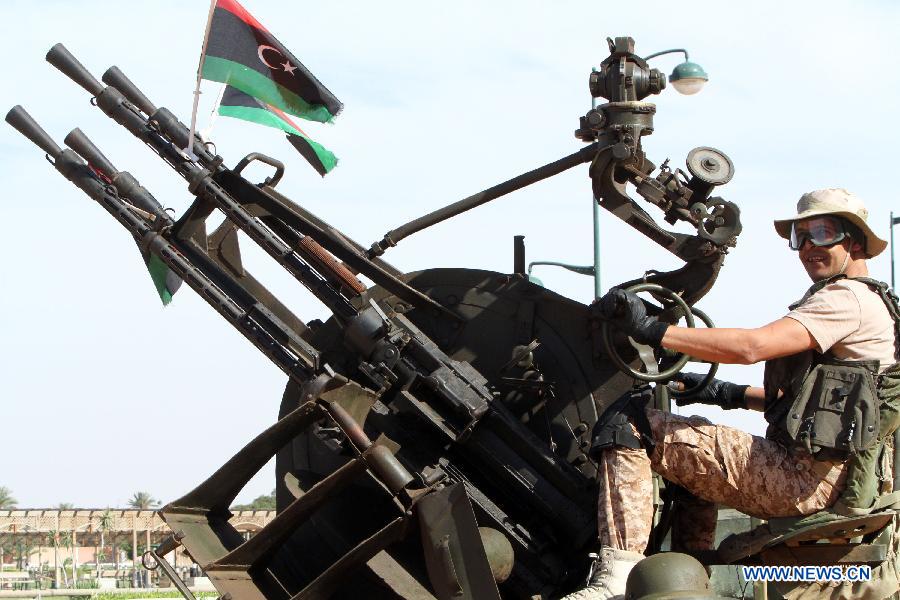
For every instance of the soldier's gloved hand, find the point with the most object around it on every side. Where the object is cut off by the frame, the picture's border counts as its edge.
(718, 393)
(626, 311)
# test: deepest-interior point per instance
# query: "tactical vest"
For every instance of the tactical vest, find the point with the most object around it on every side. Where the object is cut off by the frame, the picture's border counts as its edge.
(839, 410)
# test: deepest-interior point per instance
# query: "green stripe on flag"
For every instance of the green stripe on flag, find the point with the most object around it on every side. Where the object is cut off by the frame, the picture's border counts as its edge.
(159, 273)
(259, 86)
(265, 117)
(329, 160)
(324, 160)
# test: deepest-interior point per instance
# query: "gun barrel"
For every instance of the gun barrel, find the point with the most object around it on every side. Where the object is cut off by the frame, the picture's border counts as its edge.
(19, 118)
(79, 142)
(125, 183)
(60, 57)
(117, 79)
(296, 360)
(165, 120)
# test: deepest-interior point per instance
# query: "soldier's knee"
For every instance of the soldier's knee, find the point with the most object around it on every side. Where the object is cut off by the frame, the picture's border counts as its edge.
(615, 432)
(624, 424)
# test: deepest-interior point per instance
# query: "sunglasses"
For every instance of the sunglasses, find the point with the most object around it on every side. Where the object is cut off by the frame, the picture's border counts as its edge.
(820, 231)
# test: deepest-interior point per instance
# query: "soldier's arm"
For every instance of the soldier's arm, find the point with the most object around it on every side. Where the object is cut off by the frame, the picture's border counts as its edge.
(741, 346)
(755, 398)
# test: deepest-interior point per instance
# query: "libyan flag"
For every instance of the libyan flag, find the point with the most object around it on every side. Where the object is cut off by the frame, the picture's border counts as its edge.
(239, 105)
(244, 54)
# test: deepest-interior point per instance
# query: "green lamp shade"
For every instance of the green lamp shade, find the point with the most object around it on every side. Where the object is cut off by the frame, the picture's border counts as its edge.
(688, 78)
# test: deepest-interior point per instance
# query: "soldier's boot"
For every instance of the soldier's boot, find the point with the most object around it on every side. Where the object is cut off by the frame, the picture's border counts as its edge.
(608, 575)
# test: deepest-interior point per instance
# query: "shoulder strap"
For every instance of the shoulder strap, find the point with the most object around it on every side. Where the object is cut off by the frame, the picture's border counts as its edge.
(888, 296)
(815, 288)
(891, 302)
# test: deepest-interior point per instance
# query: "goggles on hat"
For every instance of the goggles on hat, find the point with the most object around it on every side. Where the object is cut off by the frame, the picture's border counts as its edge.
(821, 231)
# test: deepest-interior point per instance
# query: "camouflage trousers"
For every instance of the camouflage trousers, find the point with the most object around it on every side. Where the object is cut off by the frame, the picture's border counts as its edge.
(717, 465)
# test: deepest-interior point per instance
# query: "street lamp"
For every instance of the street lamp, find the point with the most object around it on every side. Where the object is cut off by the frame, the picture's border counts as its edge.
(687, 78)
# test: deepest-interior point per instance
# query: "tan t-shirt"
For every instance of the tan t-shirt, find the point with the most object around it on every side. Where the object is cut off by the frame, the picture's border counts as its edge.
(850, 319)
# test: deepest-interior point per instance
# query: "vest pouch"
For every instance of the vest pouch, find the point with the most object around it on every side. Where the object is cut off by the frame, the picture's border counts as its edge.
(835, 414)
(870, 472)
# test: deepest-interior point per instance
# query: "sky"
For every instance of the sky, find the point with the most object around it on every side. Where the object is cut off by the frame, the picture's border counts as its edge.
(103, 392)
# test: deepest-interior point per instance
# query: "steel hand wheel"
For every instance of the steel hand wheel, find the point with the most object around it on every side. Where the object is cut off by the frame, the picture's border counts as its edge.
(683, 359)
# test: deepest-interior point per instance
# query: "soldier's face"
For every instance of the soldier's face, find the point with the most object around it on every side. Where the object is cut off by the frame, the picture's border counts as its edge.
(822, 261)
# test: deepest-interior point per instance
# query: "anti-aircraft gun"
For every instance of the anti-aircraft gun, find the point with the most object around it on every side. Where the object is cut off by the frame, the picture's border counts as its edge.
(433, 438)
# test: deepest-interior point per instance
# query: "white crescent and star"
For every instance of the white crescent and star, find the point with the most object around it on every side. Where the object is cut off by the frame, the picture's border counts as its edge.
(285, 66)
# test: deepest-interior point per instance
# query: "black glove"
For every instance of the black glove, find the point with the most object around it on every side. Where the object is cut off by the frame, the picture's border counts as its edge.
(627, 312)
(718, 393)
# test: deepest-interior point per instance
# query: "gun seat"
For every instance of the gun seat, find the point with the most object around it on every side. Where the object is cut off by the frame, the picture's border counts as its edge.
(823, 538)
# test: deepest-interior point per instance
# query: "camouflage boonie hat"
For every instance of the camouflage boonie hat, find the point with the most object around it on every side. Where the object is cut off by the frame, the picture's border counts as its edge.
(840, 203)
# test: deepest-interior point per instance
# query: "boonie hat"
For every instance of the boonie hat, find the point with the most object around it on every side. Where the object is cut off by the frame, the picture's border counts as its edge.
(838, 202)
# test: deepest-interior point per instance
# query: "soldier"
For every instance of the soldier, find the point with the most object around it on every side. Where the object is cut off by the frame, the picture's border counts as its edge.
(841, 318)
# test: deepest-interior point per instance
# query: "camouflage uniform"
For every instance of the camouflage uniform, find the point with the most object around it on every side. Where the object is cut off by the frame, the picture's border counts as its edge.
(717, 464)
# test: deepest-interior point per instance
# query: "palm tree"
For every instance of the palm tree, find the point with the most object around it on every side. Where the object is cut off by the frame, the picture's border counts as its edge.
(143, 501)
(53, 539)
(7, 502)
(57, 538)
(67, 538)
(23, 553)
(65, 506)
(106, 522)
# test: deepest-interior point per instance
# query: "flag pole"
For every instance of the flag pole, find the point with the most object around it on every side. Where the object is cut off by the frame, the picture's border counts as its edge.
(213, 115)
(189, 149)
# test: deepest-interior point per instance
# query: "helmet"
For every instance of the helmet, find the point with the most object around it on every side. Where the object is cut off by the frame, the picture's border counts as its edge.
(669, 575)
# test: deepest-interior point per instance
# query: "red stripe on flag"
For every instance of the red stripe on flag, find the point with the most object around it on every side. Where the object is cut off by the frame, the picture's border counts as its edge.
(241, 13)
(286, 118)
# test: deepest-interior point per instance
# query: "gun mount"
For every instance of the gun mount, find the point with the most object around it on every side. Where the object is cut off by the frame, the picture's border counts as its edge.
(432, 439)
